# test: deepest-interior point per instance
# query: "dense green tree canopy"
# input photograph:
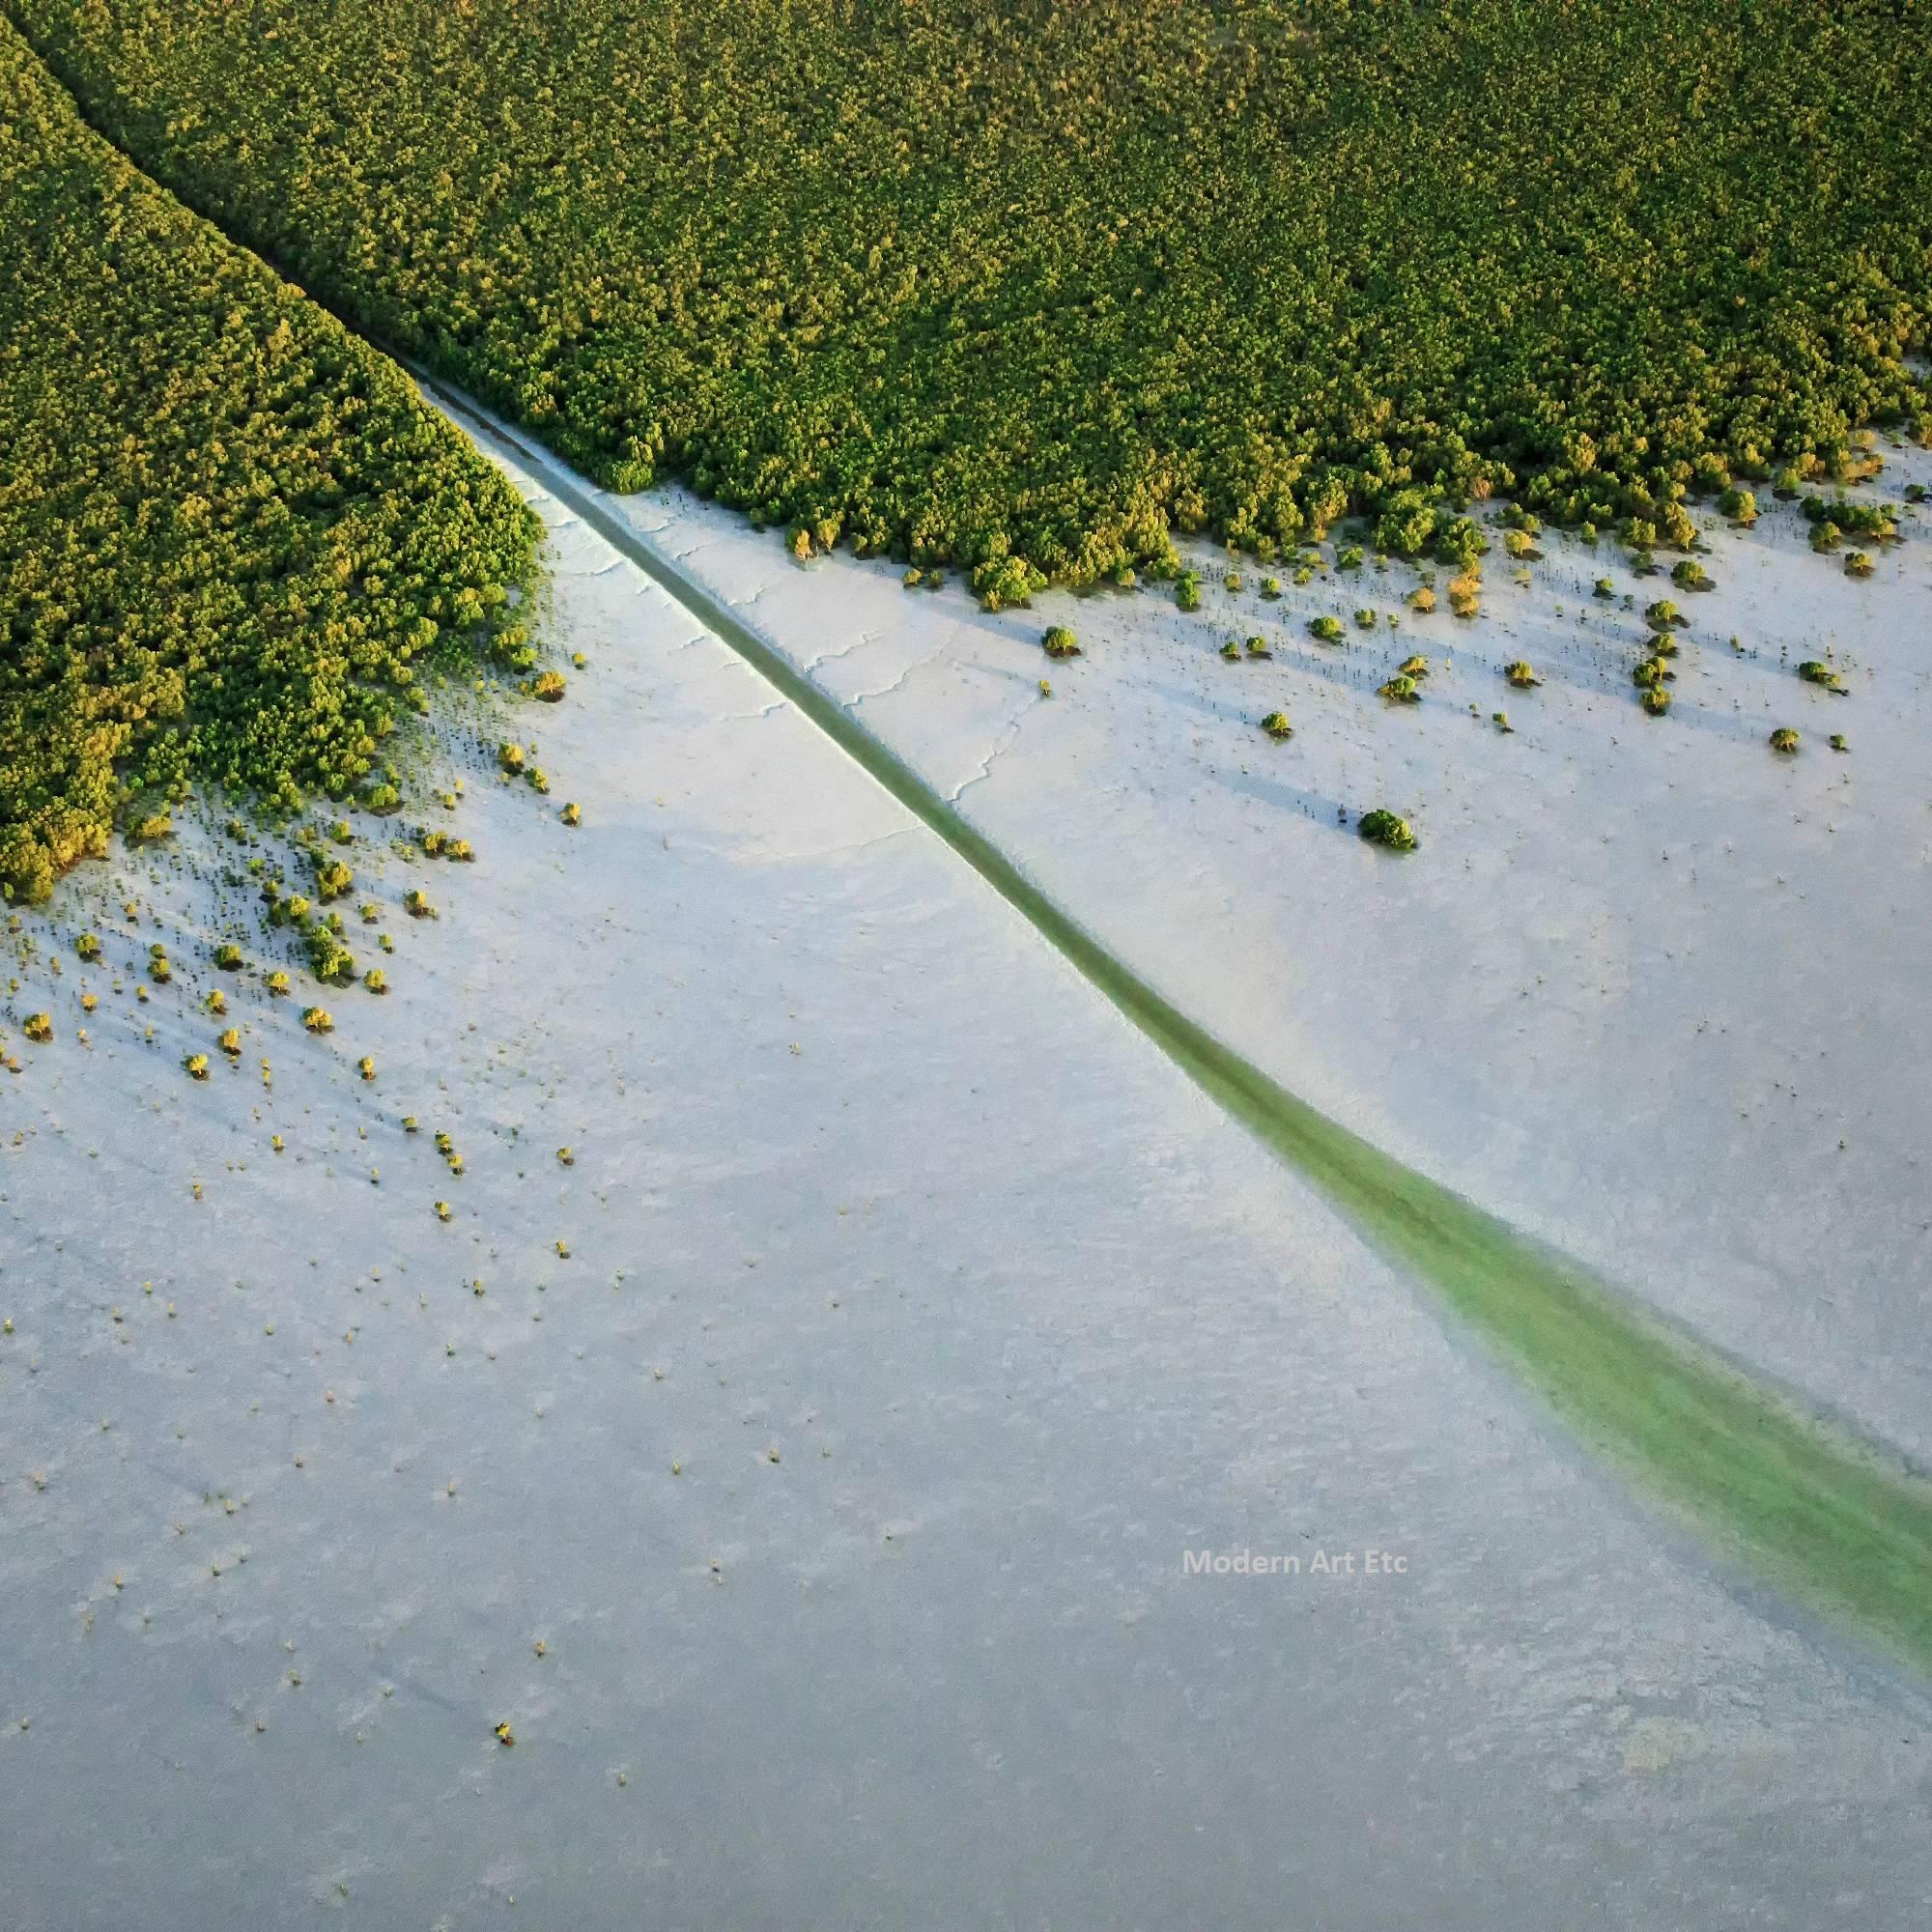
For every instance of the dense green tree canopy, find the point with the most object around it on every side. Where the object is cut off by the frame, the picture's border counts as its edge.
(965, 280)
(229, 531)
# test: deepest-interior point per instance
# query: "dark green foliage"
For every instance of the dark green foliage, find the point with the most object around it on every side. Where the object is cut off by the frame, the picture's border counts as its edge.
(1815, 672)
(1187, 591)
(1387, 828)
(970, 282)
(228, 529)
(1865, 520)
(1691, 575)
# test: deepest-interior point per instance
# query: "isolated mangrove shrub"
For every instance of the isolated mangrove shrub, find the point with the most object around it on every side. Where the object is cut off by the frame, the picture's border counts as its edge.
(1691, 575)
(196, 1065)
(376, 980)
(1060, 642)
(1520, 673)
(1231, 652)
(571, 815)
(1858, 564)
(1365, 620)
(1837, 742)
(547, 686)
(277, 982)
(333, 880)
(1325, 630)
(228, 956)
(1258, 648)
(1604, 588)
(39, 1028)
(1382, 827)
(1276, 725)
(229, 1042)
(1815, 672)
(1413, 666)
(1663, 615)
(1187, 591)
(415, 902)
(318, 1019)
(1399, 690)
(88, 947)
(1465, 594)
(1656, 700)
(1422, 599)
(1784, 739)
(510, 757)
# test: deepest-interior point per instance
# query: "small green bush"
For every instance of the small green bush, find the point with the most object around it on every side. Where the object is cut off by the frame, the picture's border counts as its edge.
(1277, 726)
(1382, 827)
(1060, 642)
(1815, 672)
(1784, 739)
(1325, 630)
(1519, 674)
(1400, 689)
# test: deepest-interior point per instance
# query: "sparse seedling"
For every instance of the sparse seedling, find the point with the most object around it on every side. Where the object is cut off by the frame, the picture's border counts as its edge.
(1502, 721)
(1837, 742)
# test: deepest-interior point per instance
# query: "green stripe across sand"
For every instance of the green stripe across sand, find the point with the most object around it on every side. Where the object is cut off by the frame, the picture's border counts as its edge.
(1833, 1524)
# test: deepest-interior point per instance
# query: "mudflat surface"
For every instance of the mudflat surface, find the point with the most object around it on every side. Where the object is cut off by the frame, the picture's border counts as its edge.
(918, 1321)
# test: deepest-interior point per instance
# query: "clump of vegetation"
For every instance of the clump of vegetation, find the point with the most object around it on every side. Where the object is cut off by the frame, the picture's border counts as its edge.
(1663, 615)
(1784, 739)
(1422, 599)
(376, 980)
(333, 880)
(547, 687)
(1844, 516)
(1382, 827)
(1858, 564)
(217, 1001)
(1413, 666)
(277, 982)
(1271, 588)
(1258, 648)
(1739, 504)
(1060, 642)
(228, 956)
(1837, 742)
(510, 757)
(1365, 620)
(415, 902)
(1521, 674)
(1231, 652)
(229, 1042)
(1276, 725)
(1651, 673)
(39, 1028)
(196, 1066)
(366, 1067)
(1187, 591)
(537, 778)
(1663, 644)
(1325, 630)
(88, 948)
(1502, 721)
(1465, 594)
(160, 971)
(866, 351)
(1815, 672)
(318, 1019)
(572, 815)
(1657, 700)
(229, 532)
(1691, 575)
(1399, 690)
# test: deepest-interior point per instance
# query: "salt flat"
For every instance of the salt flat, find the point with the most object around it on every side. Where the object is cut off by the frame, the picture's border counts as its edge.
(1648, 990)
(917, 1321)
